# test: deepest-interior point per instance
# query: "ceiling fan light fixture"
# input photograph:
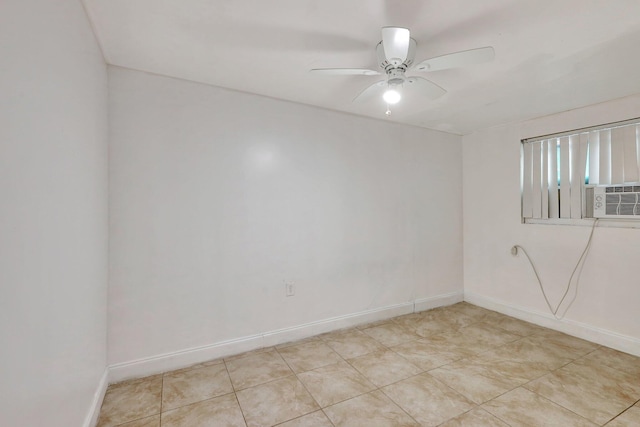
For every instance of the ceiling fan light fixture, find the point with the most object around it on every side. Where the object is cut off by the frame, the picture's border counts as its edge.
(395, 54)
(391, 96)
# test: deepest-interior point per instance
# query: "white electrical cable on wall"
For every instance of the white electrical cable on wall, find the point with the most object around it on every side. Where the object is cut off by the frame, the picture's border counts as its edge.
(579, 264)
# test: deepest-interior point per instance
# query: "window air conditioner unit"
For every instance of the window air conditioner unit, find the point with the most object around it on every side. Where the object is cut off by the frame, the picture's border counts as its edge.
(617, 201)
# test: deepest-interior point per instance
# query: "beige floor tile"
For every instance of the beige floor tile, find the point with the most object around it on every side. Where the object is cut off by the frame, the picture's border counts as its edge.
(249, 353)
(314, 419)
(468, 309)
(515, 326)
(353, 343)
(275, 402)
(374, 324)
(615, 359)
(426, 354)
(572, 346)
(327, 336)
(257, 369)
(457, 339)
(539, 354)
(131, 400)
(222, 411)
(408, 321)
(629, 418)
(153, 421)
(475, 418)
(485, 334)
(476, 379)
(455, 319)
(511, 363)
(197, 365)
(298, 342)
(334, 383)
(309, 355)
(390, 334)
(368, 410)
(431, 325)
(384, 367)
(539, 412)
(626, 381)
(193, 385)
(494, 316)
(427, 400)
(598, 394)
(427, 327)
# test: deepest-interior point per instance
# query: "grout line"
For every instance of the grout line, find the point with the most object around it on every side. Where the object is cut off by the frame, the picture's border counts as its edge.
(305, 386)
(244, 417)
(625, 410)
(235, 394)
(398, 405)
(161, 393)
(497, 416)
(562, 406)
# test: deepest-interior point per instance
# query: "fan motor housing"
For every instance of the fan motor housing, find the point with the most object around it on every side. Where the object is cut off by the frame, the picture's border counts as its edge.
(386, 65)
(396, 76)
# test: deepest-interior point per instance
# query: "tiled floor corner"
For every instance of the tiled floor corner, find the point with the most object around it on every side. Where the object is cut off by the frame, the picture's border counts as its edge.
(453, 366)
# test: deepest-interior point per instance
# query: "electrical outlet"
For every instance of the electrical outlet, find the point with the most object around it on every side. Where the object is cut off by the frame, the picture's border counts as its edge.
(289, 289)
(514, 250)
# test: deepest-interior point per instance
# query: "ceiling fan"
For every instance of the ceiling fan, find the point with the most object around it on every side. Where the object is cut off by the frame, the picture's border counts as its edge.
(396, 54)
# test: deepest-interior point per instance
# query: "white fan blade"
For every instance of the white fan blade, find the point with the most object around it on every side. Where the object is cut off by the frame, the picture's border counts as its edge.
(457, 59)
(344, 71)
(395, 42)
(424, 87)
(375, 90)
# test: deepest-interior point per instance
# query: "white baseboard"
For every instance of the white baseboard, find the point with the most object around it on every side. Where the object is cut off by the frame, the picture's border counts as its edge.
(587, 332)
(94, 412)
(183, 358)
(423, 304)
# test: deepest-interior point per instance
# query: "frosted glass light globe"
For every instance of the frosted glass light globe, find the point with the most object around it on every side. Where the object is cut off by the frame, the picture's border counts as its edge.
(391, 96)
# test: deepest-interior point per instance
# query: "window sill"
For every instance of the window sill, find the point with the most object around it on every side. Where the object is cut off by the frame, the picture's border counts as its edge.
(587, 222)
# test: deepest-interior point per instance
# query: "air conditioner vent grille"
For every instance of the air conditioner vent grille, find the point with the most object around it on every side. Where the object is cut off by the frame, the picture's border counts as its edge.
(622, 188)
(617, 201)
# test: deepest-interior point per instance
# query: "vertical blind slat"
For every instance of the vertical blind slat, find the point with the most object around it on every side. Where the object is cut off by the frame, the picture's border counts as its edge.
(630, 158)
(584, 146)
(554, 207)
(544, 196)
(617, 155)
(594, 157)
(537, 181)
(527, 210)
(574, 184)
(565, 178)
(604, 159)
(574, 172)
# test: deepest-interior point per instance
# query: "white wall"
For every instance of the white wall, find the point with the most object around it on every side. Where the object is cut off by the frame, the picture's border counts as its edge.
(606, 307)
(218, 197)
(53, 214)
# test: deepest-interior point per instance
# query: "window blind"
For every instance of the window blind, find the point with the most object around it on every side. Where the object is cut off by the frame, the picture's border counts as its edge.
(556, 168)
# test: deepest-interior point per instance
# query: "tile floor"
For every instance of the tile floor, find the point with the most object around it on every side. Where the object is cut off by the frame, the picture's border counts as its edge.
(453, 366)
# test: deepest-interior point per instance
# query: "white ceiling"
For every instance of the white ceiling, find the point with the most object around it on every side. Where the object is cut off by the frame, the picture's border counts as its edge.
(551, 55)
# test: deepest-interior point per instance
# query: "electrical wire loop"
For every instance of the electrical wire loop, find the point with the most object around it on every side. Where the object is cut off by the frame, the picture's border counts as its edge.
(579, 264)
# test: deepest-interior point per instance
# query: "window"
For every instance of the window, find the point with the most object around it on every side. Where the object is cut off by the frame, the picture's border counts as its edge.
(558, 170)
